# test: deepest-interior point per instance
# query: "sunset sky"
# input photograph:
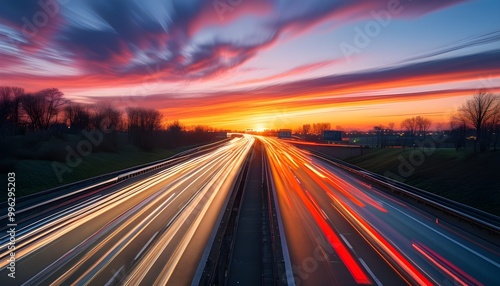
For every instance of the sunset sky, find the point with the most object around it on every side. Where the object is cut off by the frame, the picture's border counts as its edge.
(238, 64)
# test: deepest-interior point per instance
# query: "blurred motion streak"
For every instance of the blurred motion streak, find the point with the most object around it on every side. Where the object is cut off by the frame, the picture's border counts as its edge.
(296, 170)
(139, 224)
(386, 246)
(446, 266)
(319, 217)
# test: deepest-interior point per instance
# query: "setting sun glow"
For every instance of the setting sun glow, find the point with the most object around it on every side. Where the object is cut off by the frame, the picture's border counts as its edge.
(261, 65)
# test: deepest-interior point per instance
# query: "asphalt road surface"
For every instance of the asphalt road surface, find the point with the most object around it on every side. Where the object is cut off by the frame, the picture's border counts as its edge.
(339, 230)
(147, 232)
(343, 231)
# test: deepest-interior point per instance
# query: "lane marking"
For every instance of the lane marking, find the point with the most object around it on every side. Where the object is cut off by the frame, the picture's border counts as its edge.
(346, 242)
(370, 272)
(145, 245)
(449, 238)
(324, 214)
(297, 179)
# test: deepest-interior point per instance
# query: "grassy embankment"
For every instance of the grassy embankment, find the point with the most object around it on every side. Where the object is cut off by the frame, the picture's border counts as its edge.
(32, 162)
(470, 179)
(38, 175)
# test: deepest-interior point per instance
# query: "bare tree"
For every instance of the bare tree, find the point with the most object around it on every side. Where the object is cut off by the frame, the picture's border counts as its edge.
(33, 109)
(5, 106)
(410, 125)
(496, 131)
(458, 125)
(53, 101)
(379, 130)
(175, 127)
(9, 108)
(492, 128)
(318, 128)
(105, 117)
(423, 124)
(17, 93)
(42, 108)
(77, 116)
(5, 92)
(201, 128)
(439, 127)
(306, 128)
(416, 126)
(142, 124)
(391, 126)
(479, 111)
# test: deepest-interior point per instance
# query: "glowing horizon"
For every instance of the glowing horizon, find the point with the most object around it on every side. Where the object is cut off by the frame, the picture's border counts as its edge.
(258, 64)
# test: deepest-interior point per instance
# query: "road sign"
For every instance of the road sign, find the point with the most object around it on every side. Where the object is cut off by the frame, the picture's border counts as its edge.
(285, 133)
(221, 134)
(332, 135)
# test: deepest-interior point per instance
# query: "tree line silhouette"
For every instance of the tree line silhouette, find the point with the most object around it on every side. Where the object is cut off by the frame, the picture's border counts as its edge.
(480, 112)
(476, 120)
(47, 112)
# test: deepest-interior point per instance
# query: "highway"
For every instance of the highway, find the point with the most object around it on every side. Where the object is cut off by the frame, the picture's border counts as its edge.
(341, 230)
(147, 231)
(338, 229)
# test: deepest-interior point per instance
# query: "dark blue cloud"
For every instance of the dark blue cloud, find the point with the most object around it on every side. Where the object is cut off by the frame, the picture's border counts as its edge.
(13, 11)
(480, 64)
(132, 37)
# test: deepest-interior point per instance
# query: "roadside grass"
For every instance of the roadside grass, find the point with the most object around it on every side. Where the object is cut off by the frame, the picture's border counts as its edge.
(37, 175)
(464, 177)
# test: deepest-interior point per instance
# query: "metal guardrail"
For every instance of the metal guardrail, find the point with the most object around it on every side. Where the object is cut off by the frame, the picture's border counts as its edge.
(141, 169)
(215, 261)
(463, 212)
(278, 240)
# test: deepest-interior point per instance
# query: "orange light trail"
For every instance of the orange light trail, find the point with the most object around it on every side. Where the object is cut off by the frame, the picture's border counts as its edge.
(344, 186)
(311, 205)
(388, 248)
(346, 257)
